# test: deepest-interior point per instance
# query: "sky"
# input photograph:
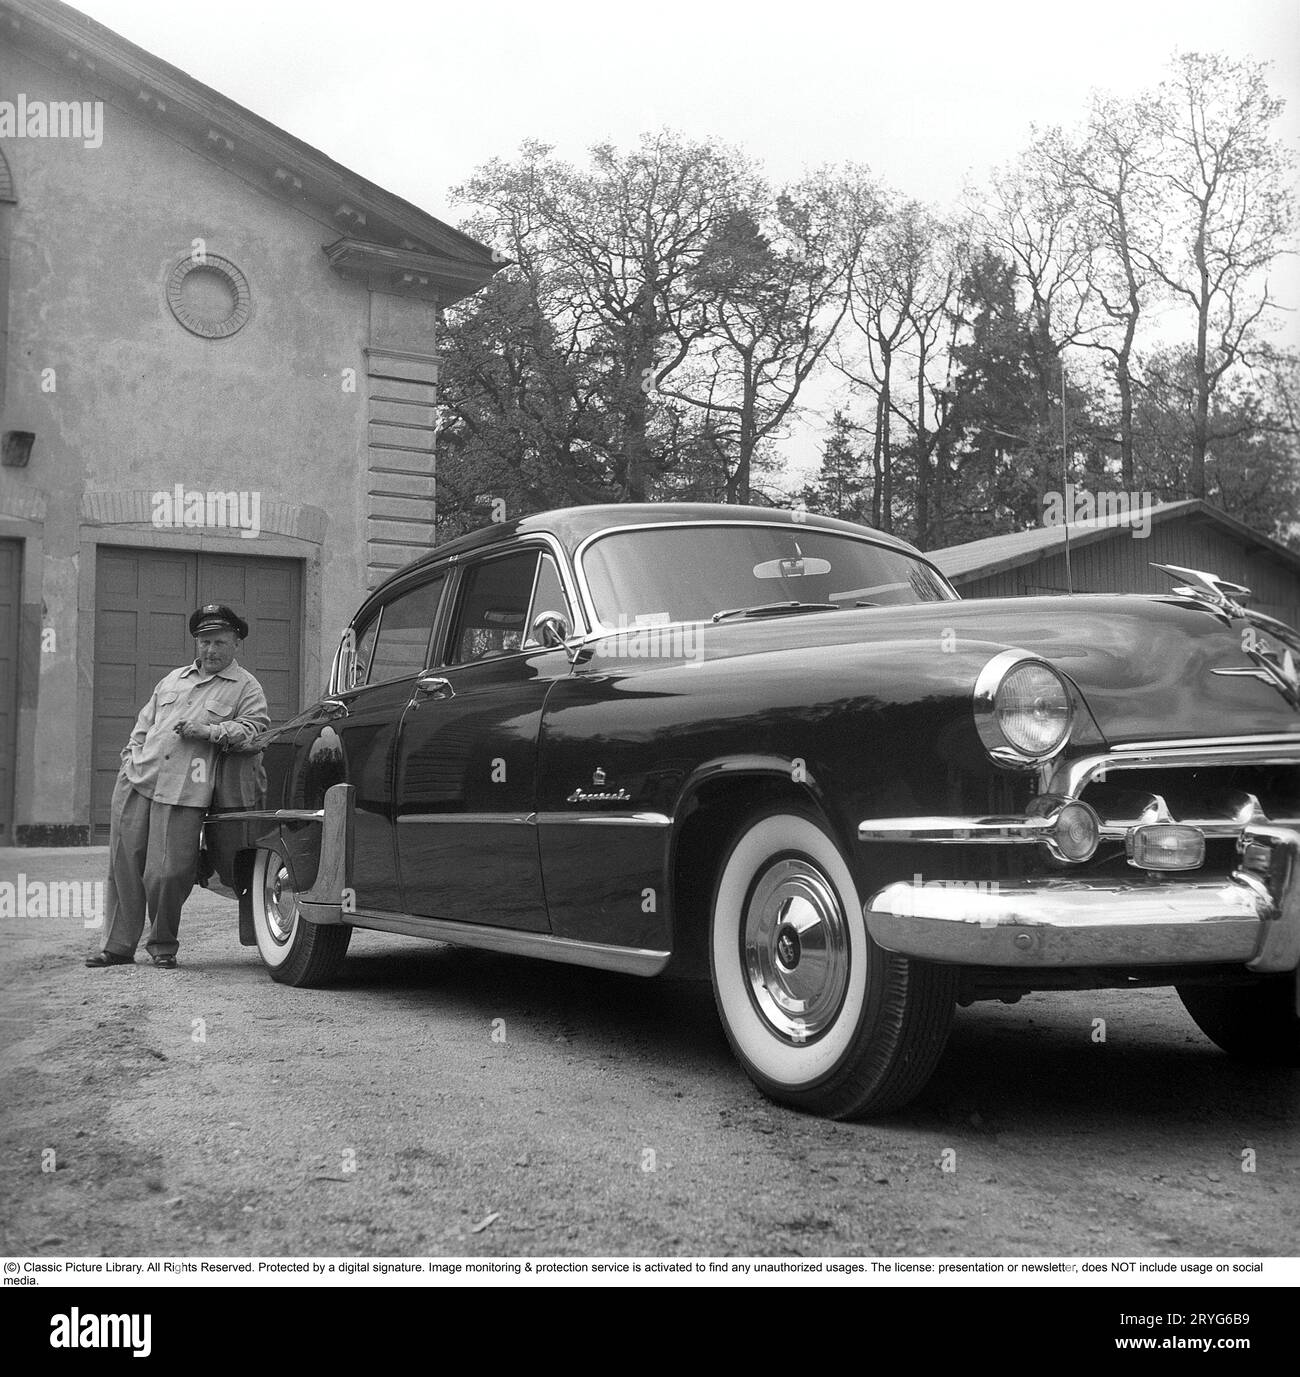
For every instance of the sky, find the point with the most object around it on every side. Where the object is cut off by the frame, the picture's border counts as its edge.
(929, 95)
(416, 95)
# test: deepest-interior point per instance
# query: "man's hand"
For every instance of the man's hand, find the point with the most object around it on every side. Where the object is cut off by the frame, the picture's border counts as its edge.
(194, 731)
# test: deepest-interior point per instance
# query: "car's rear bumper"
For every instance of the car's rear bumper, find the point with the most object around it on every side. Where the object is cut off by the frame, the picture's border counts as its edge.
(1251, 917)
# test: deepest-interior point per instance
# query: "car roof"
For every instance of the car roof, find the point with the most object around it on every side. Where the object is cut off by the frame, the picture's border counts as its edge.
(572, 525)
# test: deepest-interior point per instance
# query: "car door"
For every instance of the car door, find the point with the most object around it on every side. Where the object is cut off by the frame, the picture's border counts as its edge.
(466, 780)
(351, 737)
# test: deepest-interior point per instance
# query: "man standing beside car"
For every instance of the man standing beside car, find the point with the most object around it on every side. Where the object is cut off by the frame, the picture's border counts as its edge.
(165, 786)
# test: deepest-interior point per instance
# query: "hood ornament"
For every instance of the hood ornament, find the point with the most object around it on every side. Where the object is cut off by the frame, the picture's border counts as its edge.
(1218, 593)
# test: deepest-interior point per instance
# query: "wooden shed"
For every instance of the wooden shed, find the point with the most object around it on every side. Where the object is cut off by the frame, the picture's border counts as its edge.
(1115, 554)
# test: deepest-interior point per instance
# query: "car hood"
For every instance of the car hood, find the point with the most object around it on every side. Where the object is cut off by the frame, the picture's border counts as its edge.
(1146, 666)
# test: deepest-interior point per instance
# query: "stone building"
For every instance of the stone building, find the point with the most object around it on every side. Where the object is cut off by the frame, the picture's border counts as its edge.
(217, 383)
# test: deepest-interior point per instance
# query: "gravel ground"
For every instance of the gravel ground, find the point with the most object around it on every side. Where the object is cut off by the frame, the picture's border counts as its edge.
(439, 1101)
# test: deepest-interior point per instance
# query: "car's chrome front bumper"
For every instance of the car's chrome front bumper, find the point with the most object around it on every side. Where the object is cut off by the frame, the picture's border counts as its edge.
(1251, 917)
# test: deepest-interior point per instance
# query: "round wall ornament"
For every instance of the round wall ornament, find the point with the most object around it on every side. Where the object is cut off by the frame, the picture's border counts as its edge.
(209, 295)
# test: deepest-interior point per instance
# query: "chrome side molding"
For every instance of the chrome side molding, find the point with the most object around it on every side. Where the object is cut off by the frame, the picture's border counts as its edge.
(570, 951)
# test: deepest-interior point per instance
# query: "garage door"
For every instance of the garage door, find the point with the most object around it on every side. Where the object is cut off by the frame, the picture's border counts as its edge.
(11, 552)
(143, 601)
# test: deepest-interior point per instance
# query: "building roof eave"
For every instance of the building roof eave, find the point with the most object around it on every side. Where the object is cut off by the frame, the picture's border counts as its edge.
(406, 271)
(289, 165)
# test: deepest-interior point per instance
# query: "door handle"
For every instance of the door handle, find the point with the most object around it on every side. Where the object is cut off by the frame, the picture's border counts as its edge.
(333, 707)
(432, 686)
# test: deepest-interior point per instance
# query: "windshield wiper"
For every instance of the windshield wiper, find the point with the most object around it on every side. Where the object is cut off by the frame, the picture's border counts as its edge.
(775, 609)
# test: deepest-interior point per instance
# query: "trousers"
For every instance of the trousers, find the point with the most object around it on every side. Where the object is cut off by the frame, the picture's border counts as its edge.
(153, 851)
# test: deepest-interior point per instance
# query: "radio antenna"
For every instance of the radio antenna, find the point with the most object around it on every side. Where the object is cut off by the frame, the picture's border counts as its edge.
(1065, 485)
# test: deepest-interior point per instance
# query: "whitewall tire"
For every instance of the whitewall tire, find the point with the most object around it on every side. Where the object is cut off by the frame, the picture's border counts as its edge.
(818, 1015)
(294, 951)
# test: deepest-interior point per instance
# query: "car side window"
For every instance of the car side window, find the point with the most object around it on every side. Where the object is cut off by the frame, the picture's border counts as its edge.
(397, 645)
(492, 618)
(548, 596)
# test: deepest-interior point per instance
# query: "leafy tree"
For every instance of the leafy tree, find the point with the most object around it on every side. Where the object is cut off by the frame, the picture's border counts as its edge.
(1254, 470)
(525, 420)
(771, 286)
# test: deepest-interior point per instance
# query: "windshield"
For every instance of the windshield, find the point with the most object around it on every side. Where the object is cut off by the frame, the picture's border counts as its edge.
(656, 575)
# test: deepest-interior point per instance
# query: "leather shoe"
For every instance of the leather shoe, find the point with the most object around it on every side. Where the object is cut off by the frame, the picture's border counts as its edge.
(109, 958)
(165, 963)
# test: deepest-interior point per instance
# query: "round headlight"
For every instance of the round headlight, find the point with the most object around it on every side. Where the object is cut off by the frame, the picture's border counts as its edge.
(1022, 709)
(1033, 709)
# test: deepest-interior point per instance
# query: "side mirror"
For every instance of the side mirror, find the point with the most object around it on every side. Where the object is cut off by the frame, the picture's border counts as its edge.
(551, 629)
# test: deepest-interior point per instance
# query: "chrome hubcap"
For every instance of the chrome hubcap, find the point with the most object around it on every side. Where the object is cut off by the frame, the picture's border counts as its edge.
(796, 951)
(280, 901)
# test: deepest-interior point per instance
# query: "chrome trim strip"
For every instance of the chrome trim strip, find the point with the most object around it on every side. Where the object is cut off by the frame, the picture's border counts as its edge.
(477, 819)
(1208, 827)
(1072, 776)
(628, 960)
(606, 819)
(544, 819)
(268, 815)
(957, 830)
(1072, 922)
(1017, 831)
(1180, 743)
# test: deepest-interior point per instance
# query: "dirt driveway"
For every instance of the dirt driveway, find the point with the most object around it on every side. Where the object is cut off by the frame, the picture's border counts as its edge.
(441, 1101)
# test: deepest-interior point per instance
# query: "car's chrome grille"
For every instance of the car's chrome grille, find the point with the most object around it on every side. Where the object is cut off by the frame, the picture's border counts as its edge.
(1220, 799)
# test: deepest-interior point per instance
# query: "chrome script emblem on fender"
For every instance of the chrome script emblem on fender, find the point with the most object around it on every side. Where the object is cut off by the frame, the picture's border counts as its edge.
(598, 793)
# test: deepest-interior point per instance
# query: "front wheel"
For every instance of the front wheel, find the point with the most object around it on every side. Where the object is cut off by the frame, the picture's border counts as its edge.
(1256, 1023)
(820, 1017)
(294, 951)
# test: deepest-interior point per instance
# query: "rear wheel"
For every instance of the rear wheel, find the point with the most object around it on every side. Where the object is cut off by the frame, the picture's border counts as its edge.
(294, 951)
(1252, 1022)
(820, 1017)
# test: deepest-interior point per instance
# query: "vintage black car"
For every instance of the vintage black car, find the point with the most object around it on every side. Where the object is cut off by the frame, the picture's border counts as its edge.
(777, 750)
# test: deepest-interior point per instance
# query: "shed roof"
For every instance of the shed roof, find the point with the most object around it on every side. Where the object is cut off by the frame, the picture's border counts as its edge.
(992, 554)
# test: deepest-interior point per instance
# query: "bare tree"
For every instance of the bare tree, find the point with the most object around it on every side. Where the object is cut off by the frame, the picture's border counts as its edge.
(1031, 219)
(901, 299)
(1226, 183)
(933, 267)
(1109, 171)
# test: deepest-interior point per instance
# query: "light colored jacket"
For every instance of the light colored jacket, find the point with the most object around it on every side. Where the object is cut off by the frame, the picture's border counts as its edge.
(169, 768)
